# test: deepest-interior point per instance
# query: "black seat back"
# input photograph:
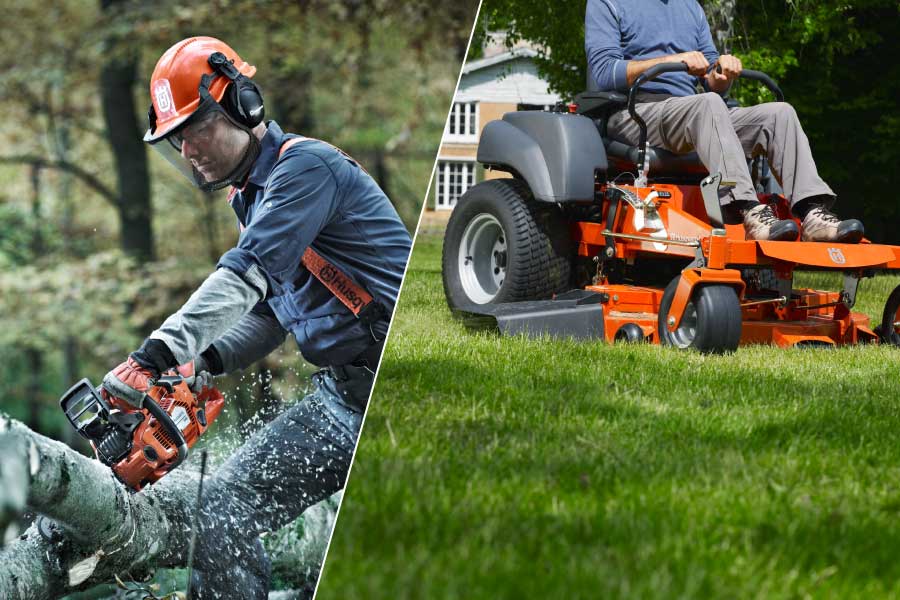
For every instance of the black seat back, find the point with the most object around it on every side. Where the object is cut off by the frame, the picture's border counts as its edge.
(599, 106)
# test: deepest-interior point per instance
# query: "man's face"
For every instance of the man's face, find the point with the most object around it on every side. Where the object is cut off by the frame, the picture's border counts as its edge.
(213, 146)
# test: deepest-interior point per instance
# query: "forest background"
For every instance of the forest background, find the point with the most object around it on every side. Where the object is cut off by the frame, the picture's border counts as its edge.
(100, 239)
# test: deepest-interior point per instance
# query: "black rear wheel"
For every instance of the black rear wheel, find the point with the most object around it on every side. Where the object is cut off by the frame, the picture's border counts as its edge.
(711, 321)
(890, 319)
(501, 245)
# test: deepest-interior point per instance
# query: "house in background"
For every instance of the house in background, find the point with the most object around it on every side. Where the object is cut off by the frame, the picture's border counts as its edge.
(503, 81)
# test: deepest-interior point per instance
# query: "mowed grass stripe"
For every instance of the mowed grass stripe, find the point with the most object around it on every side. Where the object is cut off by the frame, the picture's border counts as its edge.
(507, 468)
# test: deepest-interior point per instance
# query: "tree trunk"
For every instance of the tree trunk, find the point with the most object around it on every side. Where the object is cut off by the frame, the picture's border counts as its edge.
(720, 14)
(382, 174)
(100, 529)
(34, 358)
(60, 135)
(117, 79)
(210, 208)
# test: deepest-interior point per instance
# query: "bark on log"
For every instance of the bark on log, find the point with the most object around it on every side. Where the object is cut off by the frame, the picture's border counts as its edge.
(107, 530)
(103, 529)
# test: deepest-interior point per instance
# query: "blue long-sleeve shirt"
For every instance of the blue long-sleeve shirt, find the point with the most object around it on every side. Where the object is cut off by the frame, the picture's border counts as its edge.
(312, 194)
(618, 31)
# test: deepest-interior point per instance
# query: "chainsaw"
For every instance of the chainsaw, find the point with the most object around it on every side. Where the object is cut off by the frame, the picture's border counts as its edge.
(141, 445)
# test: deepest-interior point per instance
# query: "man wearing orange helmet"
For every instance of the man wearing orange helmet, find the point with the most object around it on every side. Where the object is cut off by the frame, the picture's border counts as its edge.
(321, 255)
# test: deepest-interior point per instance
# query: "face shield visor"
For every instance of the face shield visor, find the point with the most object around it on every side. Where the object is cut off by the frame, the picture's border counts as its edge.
(209, 148)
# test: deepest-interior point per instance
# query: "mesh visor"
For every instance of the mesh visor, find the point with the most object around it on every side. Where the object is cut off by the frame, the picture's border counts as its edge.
(198, 147)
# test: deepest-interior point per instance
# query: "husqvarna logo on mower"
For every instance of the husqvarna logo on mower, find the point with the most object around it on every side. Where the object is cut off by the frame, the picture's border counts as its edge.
(837, 257)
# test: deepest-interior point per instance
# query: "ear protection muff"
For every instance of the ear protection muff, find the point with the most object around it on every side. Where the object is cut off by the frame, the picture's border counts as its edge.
(242, 99)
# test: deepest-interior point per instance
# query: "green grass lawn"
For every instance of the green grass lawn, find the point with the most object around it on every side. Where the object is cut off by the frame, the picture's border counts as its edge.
(495, 467)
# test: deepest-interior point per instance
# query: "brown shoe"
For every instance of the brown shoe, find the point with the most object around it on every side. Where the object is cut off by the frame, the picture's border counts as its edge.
(821, 225)
(760, 223)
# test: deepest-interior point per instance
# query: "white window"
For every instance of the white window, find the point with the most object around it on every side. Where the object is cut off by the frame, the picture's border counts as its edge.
(463, 122)
(452, 179)
(544, 107)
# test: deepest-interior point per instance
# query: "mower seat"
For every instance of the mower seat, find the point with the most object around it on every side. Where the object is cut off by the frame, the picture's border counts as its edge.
(680, 168)
(623, 159)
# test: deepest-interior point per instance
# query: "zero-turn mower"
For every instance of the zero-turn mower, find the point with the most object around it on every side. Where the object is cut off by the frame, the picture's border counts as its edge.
(649, 260)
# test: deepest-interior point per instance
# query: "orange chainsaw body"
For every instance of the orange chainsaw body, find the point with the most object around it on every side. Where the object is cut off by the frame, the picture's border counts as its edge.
(142, 444)
(154, 453)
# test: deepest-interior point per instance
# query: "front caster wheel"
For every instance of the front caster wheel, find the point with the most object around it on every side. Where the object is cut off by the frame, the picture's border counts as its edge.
(711, 321)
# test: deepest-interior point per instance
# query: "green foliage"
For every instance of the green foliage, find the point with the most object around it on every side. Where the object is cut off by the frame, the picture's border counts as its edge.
(17, 236)
(103, 306)
(556, 27)
(497, 467)
(41, 307)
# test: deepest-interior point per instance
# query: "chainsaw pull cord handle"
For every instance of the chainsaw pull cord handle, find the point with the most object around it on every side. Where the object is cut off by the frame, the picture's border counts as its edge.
(169, 425)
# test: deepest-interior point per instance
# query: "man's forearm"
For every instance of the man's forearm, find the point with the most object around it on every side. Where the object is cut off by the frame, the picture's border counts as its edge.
(211, 311)
(635, 68)
(255, 336)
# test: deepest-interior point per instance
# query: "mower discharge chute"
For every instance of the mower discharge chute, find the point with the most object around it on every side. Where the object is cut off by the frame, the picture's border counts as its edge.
(652, 260)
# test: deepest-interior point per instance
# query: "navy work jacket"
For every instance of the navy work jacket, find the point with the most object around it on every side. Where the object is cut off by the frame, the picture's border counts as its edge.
(315, 195)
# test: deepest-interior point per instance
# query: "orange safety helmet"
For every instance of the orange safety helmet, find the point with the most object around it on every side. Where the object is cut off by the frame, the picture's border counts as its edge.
(193, 82)
(175, 86)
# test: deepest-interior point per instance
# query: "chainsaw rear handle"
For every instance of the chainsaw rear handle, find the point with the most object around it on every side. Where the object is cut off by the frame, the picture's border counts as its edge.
(169, 425)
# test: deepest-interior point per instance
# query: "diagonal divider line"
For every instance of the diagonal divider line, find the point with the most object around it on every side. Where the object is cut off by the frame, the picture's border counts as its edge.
(387, 335)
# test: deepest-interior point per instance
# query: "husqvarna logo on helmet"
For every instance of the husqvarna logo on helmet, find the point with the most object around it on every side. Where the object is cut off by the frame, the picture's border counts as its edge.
(162, 95)
(837, 257)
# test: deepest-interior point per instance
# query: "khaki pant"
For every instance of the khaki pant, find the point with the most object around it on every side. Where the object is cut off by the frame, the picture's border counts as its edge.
(724, 138)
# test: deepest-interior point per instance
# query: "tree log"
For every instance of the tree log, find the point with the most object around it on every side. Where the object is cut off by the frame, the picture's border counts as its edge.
(100, 529)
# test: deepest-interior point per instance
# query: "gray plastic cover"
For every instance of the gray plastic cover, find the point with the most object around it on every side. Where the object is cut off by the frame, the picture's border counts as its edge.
(556, 154)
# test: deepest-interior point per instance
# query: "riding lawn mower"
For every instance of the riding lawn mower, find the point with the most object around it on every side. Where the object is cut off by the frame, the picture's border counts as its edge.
(650, 259)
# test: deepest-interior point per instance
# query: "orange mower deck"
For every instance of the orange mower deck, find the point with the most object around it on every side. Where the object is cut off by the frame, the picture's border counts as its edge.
(670, 223)
(800, 316)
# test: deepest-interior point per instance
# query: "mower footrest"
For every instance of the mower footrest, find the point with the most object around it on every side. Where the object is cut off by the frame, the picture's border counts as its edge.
(560, 318)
